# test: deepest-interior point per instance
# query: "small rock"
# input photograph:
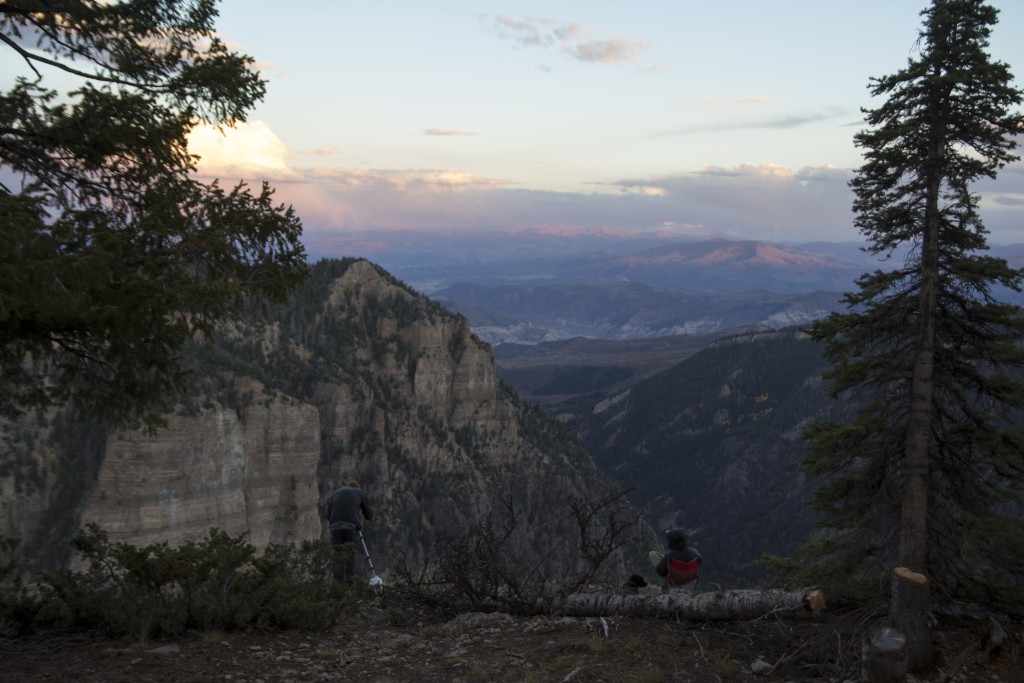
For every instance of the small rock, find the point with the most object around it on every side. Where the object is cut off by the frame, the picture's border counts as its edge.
(172, 649)
(761, 667)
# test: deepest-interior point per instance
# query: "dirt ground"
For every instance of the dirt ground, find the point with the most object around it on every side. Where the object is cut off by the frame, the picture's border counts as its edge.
(393, 642)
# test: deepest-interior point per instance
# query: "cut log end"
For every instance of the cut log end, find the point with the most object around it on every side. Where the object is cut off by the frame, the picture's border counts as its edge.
(814, 601)
(910, 576)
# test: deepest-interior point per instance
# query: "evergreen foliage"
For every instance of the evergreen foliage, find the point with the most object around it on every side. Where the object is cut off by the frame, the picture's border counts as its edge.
(928, 474)
(220, 583)
(112, 256)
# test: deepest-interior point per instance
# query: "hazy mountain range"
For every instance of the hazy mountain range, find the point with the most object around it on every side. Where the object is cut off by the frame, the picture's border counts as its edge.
(617, 309)
(431, 261)
(529, 286)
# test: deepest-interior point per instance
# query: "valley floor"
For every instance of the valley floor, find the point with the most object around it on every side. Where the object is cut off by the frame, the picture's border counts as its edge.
(388, 642)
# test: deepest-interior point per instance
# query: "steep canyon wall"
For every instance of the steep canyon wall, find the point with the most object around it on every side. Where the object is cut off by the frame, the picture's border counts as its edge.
(357, 377)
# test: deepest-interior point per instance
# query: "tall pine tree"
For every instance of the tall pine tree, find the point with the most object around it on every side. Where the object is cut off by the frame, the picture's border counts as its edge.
(927, 474)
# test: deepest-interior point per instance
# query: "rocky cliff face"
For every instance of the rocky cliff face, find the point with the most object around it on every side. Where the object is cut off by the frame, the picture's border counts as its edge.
(357, 377)
(243, 472)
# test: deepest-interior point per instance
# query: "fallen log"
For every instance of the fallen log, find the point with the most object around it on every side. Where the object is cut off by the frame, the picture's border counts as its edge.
(729, 605)
(732, 605)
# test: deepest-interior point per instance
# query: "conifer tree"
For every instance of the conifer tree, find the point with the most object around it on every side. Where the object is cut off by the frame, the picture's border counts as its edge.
(921, 477)
(112, 254)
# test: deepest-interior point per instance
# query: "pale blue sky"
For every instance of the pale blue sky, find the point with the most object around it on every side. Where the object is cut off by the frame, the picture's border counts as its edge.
(732, 117)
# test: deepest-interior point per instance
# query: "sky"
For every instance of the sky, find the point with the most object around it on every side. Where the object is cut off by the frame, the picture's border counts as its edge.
(732, 118)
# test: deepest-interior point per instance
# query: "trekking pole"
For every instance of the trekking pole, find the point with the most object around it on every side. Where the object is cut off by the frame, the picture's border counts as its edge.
(376, 581)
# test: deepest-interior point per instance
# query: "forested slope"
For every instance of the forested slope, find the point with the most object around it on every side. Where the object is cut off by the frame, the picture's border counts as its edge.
(712, 444)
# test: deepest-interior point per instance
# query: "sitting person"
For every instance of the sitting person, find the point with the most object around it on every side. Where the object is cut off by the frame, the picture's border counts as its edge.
(677, 550)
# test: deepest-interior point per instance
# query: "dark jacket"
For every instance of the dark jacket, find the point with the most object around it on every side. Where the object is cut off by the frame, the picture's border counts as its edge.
(345, 505)
(677, 549)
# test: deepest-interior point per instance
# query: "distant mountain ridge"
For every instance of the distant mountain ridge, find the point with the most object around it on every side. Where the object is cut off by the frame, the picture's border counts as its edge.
(432, 260)
(429, 260)
(531, 286)
(616, 309)
(719, 265)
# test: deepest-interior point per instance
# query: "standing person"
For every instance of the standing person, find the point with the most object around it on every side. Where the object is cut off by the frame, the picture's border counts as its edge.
(344, 508)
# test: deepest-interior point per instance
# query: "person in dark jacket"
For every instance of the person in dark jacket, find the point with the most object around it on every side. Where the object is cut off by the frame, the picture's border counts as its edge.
(346, 507)
(678, 549)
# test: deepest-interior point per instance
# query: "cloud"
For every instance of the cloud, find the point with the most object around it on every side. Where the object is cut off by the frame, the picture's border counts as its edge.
(734, 102)
(779, 122)
(245, 150)
(1002, 203)
(571, 39)
(655, 70)
(321, 152)
(403, 181)
(765, 201)
(762, 202)
(446, 132)
(640, 188)
(528, 32)
(609, 51)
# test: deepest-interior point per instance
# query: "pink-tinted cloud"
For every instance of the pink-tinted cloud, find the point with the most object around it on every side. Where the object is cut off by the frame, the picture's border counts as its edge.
(745, 201)
(748, 201)
(448, 132)
(573, 40)
(608, 51)
(403, 181)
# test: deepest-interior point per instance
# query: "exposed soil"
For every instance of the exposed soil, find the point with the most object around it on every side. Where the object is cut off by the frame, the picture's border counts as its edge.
(389, 642)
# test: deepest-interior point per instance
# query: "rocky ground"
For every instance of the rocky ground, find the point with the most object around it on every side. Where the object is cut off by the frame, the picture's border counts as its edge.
(392, 642)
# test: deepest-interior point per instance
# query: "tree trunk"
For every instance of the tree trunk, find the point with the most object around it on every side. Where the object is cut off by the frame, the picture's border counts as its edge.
(733, 605)
(909, 610)
(909, 602)
(884, 656)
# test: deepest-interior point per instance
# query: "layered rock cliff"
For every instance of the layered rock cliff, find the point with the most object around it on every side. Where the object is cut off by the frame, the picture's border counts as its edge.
(357, 377)
(249, 471)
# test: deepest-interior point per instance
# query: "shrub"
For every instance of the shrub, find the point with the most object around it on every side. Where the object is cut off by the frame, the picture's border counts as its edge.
(218, 583)
(17, 606)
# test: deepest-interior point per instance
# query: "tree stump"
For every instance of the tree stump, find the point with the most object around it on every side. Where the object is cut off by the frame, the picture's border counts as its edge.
(884, 656)
(910, 609)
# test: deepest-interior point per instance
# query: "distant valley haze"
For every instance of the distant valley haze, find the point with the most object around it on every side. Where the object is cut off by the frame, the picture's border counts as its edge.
(431, 260)
(528, 286)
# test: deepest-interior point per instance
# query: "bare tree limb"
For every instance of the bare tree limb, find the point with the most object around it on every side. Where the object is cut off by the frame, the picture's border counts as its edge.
(31, 57)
